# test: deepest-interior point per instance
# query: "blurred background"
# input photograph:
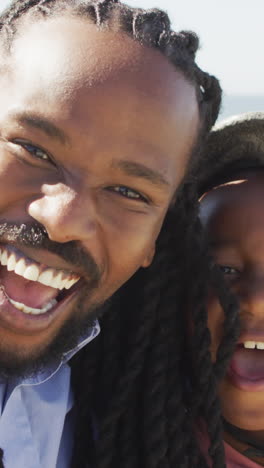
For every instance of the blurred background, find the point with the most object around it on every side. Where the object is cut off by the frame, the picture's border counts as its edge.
(231, 34)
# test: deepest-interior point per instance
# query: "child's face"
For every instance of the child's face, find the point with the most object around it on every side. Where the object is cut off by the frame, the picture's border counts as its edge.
(233, 215)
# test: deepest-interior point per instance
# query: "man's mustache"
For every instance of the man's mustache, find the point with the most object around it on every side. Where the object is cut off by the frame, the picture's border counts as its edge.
(35, 235)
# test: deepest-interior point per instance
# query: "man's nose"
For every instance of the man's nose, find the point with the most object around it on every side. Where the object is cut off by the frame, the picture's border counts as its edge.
(66, 214)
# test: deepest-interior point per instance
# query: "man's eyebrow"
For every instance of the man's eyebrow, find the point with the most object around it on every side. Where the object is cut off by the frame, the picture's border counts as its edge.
(40, 123)
(139, 170)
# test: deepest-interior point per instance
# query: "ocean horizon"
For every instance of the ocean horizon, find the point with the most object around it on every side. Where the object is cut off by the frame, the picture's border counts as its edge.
(233, 105)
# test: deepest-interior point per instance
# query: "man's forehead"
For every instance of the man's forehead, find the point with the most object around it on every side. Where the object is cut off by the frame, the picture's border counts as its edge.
(56, 76)
(62, 56)
(77, 44)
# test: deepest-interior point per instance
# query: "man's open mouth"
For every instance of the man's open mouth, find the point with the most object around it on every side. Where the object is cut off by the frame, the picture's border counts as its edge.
(31, 287)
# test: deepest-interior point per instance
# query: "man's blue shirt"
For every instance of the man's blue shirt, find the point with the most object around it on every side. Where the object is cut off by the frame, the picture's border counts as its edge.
(35, 424)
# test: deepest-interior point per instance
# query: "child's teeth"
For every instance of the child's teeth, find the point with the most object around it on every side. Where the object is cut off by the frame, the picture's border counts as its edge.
(11, 262)
(249, 344)
(254, 344)
(31, 273)
(20, 267)
(260, 345)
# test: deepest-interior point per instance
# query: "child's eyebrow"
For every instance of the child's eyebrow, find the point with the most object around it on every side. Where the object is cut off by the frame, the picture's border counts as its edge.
(223, 243)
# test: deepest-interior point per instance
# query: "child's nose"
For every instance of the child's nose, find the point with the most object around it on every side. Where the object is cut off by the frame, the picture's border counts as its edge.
(252, 297)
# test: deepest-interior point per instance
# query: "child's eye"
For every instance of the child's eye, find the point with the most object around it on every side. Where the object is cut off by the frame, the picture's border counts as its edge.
(127, 193)
(228, 270)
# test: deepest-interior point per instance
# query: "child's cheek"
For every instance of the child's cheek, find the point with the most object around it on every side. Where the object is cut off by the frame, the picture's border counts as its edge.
(215, 322)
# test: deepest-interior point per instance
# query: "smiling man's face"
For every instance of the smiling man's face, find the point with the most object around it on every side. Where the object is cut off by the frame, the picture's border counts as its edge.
(95, 135)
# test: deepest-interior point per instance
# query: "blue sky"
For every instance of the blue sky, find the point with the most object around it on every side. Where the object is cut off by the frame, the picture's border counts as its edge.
(231, 33)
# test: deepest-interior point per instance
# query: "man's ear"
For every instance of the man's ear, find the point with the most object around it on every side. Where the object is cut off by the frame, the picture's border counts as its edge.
(148, 259)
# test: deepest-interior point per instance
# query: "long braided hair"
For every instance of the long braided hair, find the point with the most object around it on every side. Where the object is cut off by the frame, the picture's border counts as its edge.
(136, 398)
(234, 148)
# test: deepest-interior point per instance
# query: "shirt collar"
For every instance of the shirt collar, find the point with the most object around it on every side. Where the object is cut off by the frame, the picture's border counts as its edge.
(92, 333)
(47, 373)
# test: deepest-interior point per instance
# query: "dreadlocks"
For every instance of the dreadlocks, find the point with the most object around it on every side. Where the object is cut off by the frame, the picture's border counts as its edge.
(136, 404)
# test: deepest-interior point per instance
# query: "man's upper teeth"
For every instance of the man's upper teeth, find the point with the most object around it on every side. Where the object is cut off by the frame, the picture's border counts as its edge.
(33, 271)
(254, 344)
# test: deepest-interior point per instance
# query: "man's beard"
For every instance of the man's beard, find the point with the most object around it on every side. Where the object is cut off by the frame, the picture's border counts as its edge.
(76, 328)
(16, 362)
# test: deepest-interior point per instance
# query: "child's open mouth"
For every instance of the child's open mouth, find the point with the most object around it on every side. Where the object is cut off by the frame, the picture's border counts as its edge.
(29, 288)
(246, 368)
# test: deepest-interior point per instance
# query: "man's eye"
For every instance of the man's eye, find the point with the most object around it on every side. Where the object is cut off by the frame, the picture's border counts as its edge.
(35, 151)
(128, 193)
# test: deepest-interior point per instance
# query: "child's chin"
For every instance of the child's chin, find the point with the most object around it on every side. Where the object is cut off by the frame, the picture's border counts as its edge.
(242, 408)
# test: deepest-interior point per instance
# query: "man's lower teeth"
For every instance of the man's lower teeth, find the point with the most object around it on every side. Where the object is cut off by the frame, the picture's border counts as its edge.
(27, 309)
(31, 310)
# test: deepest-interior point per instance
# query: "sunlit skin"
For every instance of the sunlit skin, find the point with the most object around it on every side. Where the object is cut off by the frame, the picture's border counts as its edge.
(233, 217)
(126, 118)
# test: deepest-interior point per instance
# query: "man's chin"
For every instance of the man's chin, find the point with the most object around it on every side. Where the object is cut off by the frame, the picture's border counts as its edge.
(28, 360)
